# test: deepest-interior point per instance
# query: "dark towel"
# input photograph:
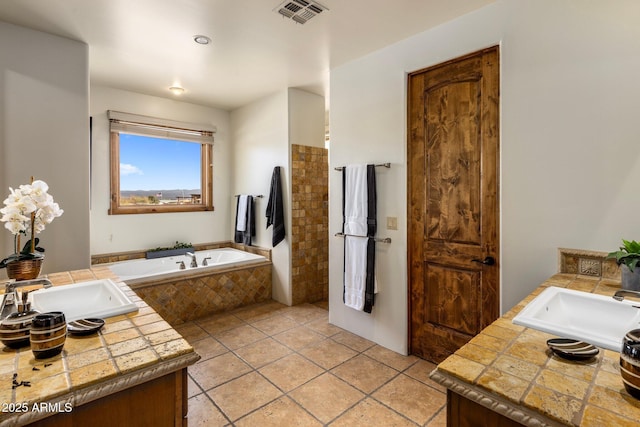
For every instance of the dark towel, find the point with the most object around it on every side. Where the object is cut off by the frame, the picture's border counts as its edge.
(369, 293)
(275, 209)
(244, 237)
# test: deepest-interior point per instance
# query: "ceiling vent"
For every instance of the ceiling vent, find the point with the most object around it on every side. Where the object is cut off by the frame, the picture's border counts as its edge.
(299, 11)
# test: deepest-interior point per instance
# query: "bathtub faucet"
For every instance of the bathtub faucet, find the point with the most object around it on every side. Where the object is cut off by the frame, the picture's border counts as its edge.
(194, 262)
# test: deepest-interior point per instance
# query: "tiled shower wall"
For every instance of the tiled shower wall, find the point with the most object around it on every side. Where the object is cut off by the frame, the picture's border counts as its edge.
(309, 224)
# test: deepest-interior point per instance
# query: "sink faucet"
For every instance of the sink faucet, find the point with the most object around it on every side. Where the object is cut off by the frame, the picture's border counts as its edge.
(619, 295)
(10, 298)
(194, 262)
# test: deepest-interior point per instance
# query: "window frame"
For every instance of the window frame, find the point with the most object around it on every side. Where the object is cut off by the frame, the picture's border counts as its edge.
(206, 170)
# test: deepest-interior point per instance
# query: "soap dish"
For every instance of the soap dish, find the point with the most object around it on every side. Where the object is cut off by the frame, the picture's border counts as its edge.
(84, 326)
(572, 349)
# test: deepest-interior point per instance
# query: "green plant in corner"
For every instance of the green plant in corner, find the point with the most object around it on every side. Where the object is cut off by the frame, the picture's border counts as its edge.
(629, 254)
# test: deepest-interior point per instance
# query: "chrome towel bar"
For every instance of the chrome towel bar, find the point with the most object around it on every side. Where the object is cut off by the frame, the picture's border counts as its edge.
(386, 165)
(377, 239)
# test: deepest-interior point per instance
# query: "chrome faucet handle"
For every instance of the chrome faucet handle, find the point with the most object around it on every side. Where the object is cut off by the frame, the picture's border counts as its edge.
(204, 261)
(619, 295)
(182, 266)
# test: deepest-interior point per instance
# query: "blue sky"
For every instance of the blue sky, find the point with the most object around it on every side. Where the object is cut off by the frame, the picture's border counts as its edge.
(158, 164)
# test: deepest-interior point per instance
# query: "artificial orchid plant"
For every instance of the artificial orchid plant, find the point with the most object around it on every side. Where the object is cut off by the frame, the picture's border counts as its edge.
(28, 209)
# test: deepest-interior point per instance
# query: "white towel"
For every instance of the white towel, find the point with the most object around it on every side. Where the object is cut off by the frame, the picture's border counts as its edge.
(355, 200)
(241, 220)
(355, 223)
(355, 271)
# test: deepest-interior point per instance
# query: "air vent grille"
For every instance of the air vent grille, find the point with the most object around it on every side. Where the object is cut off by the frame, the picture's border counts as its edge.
(299, 11)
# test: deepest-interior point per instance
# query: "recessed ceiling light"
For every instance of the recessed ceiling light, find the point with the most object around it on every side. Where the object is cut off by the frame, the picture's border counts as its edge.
(176, 90)
(200, 39)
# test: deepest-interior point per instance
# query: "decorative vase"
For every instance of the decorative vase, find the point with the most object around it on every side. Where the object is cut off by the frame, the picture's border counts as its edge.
(630, 279)
(630, 362)
(48, 334)
(24, 269)
(14, 330)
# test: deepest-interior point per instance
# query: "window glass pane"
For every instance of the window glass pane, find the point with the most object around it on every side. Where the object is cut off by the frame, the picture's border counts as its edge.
(157, 171)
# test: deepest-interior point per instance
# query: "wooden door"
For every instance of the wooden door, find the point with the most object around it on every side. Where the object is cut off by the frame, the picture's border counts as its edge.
(453, 203)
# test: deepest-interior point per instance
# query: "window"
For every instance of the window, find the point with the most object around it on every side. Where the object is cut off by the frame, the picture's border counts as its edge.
(159, 165)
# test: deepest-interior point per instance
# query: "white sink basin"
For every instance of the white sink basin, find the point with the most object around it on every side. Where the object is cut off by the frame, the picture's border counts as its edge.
(96, 298)
(596, 319)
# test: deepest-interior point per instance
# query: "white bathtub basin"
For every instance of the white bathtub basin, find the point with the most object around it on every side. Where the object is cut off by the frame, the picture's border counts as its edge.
(96, 298)
(596, 319)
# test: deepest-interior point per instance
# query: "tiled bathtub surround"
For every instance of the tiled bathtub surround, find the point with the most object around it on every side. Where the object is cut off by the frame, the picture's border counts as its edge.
(127, 256)
(179, 301)
(309, 224)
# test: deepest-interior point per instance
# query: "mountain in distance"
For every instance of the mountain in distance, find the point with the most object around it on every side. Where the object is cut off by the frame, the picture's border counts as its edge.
(166, 194)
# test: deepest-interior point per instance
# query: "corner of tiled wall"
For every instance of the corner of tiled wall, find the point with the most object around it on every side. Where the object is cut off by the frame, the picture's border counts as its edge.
(310, 224)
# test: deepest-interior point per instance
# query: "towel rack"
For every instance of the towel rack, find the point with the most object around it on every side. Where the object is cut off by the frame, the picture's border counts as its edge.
(381, 240)
(257, 195)
(386, 165)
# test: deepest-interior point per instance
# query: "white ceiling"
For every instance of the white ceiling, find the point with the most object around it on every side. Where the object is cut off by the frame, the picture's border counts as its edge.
(147, 46)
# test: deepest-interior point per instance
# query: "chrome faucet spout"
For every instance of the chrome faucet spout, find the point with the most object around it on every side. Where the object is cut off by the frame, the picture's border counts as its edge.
(194, 261)
(619, 295)
(10, 298)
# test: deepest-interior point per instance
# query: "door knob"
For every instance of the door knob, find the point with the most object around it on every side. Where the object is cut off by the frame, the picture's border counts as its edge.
(487, 261)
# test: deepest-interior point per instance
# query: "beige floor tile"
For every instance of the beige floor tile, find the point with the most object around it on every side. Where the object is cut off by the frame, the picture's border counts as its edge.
(258, 312)
(305, 313)
(370, 413)
(365, 373)
(192, 387)
(219, 323)
(234, 399)
(279, 413)
(391, 358)
(262, 352)
(326, 397)
(218, 370)
(291, 372)
(203, 413)
(208, 348)
(328, 353)
(299, 337)
(275, 324)
(239, 337)
(323, 327)
(440, 420)
(352, 340)
(421, 370)
(191, 332)
(411, 398)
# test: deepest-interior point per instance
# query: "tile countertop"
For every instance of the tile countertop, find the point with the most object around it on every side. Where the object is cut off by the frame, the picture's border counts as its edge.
(129, 350)
(509, 369)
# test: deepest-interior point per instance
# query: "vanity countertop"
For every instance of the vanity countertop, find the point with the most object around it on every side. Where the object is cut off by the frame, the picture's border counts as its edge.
(129, 350)
(509, 369)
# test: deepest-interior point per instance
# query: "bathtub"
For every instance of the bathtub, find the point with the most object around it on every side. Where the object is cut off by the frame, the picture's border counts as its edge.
(232, 279)
(139, 270)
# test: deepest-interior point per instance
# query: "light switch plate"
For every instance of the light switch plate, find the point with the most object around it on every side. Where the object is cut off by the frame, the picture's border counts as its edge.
(392, 223)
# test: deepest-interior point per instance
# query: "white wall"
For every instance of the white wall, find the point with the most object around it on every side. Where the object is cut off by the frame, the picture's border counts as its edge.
(261, 142)
(117, 233)
(44, 132)
(262, 134)
(570, 161)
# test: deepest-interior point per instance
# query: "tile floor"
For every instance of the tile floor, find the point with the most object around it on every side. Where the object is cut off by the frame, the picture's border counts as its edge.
(273, 365)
